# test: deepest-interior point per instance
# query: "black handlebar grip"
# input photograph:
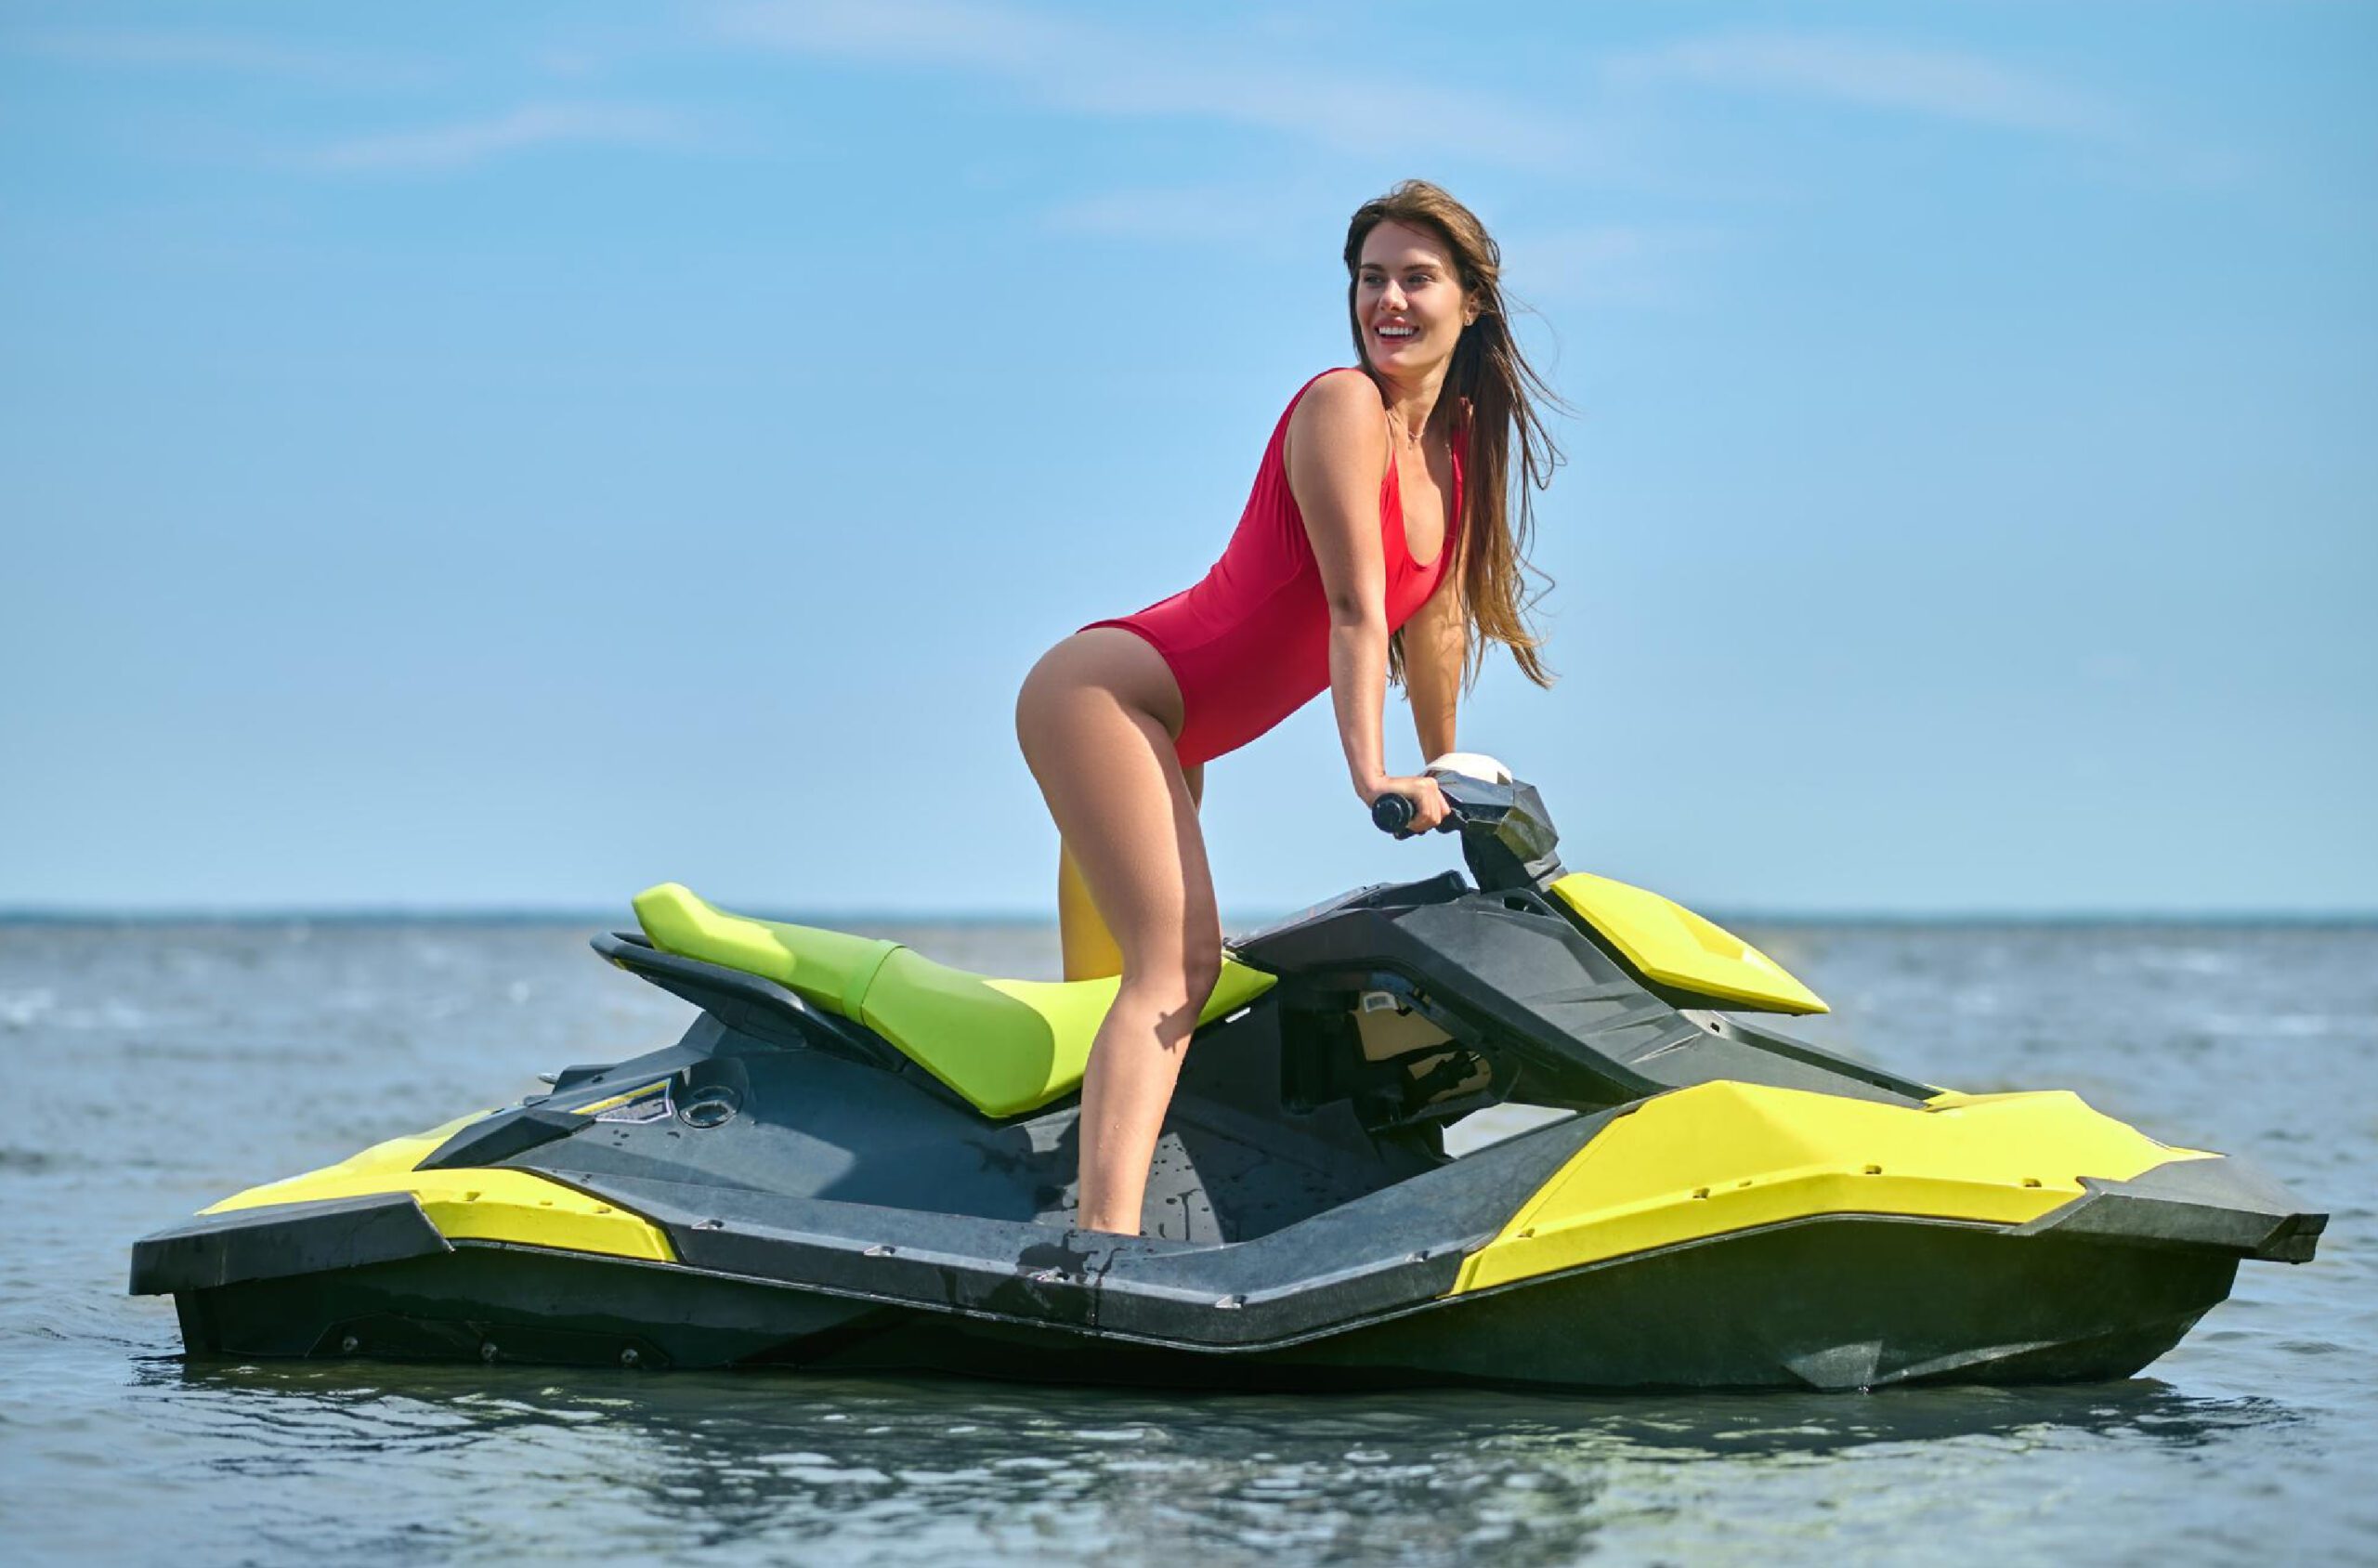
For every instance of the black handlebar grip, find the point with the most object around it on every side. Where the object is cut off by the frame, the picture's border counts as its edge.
(1391, 814)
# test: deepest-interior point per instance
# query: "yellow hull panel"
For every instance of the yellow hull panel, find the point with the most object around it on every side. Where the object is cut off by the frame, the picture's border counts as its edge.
(1670, 943)
(1722, 1157)
(473, 1205)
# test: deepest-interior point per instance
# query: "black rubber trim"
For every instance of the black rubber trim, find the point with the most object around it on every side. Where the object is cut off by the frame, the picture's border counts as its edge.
(500, 1136)
(280, 1239)
(2221, 1203)
(746, 1002)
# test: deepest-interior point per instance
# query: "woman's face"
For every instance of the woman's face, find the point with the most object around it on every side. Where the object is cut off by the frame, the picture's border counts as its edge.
(1408, 301)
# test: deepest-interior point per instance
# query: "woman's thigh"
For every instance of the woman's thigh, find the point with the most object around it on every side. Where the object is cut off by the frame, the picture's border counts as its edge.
(1097, 726)
(1089, 950)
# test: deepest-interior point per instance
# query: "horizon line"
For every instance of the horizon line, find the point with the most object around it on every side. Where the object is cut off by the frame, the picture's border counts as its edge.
(506, 914)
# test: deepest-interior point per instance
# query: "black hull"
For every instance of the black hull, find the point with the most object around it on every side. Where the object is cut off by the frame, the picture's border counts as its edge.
(1833, 1304)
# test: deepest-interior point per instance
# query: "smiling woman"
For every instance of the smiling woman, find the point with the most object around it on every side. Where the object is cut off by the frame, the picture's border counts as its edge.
(1380, 542)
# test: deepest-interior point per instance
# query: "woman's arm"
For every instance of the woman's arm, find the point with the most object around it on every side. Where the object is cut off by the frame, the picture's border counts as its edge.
(1337, 460)
(1436, 646)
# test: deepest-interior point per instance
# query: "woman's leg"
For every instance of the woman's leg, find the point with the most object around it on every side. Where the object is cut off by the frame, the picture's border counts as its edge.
(1096, 719)
(1089, 948)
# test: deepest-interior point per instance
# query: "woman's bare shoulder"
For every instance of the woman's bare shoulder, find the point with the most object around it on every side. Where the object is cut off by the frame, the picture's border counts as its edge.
(1340, 409)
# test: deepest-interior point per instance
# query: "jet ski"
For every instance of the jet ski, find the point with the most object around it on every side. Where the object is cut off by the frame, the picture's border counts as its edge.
(859, 1159)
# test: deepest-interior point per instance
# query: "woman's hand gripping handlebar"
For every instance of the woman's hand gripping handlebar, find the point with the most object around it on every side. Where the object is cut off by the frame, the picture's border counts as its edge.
(1410, 806)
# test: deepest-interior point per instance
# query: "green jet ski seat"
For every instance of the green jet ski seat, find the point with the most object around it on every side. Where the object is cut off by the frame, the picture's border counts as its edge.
(1007, 1046)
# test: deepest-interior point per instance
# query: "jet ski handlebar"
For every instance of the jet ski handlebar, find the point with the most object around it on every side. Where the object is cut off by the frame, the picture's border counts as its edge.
(1507, 835)
(1392, 814)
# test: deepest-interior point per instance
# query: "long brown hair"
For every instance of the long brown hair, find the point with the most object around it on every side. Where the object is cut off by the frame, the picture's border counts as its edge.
(1493, 396)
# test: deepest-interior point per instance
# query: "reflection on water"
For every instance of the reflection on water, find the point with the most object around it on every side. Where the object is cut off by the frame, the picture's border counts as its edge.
(918, 1467)
(155, 1069)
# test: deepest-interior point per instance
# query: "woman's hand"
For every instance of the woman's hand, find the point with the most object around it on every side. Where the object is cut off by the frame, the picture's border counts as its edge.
(1428, 802)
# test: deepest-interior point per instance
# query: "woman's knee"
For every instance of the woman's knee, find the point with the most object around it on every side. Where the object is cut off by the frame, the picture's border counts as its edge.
(1202, 969)
(1173, 975)
(1201, 966)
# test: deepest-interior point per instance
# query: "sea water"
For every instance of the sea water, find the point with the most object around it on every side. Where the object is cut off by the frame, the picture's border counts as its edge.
(151, 1068)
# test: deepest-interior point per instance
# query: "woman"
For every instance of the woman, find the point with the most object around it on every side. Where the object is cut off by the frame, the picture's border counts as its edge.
(1376, 543)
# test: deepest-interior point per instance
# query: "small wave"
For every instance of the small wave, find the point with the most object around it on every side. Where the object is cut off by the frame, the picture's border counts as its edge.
(18, 1009)
(2283, 1026)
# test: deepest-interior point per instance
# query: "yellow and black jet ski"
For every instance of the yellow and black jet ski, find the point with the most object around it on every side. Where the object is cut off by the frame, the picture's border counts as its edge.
(858, 1157)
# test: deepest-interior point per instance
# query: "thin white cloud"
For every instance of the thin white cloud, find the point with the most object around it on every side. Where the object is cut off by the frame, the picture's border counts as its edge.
(1103, 69)
(1194, 214)
(1136, 215)
(222, 54)
(1941, 83)
(467, 142)
(1610, 264)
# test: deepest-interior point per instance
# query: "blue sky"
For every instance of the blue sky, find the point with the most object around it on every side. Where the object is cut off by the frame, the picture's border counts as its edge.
(459, 456)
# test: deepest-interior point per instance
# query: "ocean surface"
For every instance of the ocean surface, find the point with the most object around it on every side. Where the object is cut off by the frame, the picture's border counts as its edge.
(155, 1067)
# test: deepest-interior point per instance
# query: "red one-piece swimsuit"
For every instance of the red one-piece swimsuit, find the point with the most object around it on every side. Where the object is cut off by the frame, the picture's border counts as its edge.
(1248, 642)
